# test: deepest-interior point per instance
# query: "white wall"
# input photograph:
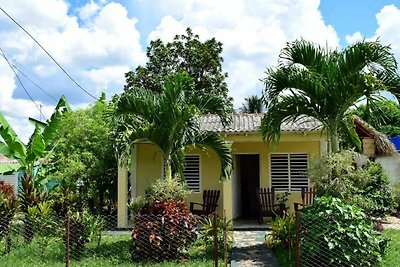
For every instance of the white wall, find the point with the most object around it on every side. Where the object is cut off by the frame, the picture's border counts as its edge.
(392, 167)
(11, 179)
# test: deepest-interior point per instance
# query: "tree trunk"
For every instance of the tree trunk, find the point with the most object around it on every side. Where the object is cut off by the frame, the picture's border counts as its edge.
(334, 142)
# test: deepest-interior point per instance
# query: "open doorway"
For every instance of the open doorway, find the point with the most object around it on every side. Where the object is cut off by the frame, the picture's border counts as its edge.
(246, 181)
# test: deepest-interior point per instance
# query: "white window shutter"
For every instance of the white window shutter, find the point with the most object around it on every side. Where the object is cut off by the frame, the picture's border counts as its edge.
(298, 171)
(192, 172)
(280, 172)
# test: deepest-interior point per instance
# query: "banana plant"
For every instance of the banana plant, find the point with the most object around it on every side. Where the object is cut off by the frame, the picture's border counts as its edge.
(30, 156)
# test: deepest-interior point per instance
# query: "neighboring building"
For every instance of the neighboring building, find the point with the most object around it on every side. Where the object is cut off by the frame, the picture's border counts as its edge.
(256, 164)
(12, 178)
(376, 145)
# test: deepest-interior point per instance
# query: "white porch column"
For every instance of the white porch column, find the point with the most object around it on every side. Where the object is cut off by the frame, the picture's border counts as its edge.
(122, 196)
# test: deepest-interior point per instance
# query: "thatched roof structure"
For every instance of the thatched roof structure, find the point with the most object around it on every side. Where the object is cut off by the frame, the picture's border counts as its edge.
(383, 146)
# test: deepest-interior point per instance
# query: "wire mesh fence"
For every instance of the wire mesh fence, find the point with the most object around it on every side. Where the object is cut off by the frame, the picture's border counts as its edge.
(320, 243)
(71, 240)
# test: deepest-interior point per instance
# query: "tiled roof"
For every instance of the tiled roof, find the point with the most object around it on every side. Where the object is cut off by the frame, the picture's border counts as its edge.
(242, 122)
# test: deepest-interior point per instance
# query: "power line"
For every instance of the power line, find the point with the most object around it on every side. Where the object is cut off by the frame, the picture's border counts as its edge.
(33, 82)
(55, 61)
(19, 80)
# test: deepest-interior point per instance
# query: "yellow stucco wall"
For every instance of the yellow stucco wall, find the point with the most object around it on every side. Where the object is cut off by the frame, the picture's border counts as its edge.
(149, 165)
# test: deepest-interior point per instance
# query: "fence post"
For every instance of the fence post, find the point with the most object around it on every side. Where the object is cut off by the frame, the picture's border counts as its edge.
(225, 242)
(215, 239)
(297, 245)
(67, 233)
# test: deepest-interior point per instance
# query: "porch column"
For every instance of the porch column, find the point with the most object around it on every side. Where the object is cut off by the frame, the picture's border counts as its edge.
(122, 196)
(133, 177)
(227, 198)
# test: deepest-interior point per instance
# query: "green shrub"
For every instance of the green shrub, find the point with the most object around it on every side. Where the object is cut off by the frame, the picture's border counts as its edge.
(368, 187)
(163, 230)
(282, 232)
(396, 196)
(341, 233)
(167, 189)
(136, 204)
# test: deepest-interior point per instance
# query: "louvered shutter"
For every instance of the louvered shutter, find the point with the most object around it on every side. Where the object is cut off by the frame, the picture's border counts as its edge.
(289, 171)
(192, 172)
(298, 171)
(280, 171)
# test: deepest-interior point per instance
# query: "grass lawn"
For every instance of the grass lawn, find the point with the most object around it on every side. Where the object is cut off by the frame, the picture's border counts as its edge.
(391, 257)
(113, 251)
(392, 254)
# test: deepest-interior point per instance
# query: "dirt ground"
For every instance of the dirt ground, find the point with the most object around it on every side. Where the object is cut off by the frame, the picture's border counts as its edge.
(391, 222)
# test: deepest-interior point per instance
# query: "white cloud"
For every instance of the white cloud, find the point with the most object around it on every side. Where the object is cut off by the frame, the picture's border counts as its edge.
(355, 37)
(96, 43)
(388, 30)
(252, 32)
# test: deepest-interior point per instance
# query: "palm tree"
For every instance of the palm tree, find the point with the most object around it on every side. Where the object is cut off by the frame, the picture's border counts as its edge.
(170, 120)
(313, 81)
(252, 104)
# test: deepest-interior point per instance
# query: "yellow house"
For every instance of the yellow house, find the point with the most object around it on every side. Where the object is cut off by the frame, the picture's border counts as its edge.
(255, 163)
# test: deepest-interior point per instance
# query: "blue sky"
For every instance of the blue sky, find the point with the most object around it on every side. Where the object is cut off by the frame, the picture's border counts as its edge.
(97, 41)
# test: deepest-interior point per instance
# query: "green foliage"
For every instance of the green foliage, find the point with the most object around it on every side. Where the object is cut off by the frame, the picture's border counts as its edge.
(391, 257)
(112, 252)
(163, 230)
(310, 80)
(252, 104)
(201, 60)
(204, 244)
(385, 119)
(169, 120)
(94, 225)
(396, 195)
(282, 232)
(42, 224)
(340, 232)
(136, 204)
(165, 190)
(84, 159)
(336, 175)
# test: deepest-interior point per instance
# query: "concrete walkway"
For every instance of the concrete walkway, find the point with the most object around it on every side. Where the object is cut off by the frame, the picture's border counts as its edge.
(250, 250)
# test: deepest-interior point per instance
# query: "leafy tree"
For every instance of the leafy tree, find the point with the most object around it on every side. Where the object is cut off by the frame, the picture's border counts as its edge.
(313, 81)
(170, 120)
(201, 60)
(385, 120)
(252, 104)
(84, 159)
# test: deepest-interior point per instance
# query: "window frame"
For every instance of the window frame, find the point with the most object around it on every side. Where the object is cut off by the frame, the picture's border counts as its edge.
(288, 154)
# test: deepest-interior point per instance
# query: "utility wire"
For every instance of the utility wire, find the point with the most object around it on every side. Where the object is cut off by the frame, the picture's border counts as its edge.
(38, 86)
(55, 61)
(26, 91)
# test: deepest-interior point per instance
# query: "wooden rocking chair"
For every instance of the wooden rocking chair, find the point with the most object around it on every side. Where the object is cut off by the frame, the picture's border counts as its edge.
(307, 198)
(209, 205)
(267, 206)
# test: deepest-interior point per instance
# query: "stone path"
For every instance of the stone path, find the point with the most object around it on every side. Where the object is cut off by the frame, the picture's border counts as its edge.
(250, 250)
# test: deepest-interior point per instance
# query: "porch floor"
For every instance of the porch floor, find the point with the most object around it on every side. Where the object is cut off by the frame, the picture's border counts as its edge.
(250, 224)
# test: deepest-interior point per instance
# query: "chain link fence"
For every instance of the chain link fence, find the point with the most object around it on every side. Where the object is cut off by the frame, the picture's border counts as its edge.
(319, 245)
(84, 238)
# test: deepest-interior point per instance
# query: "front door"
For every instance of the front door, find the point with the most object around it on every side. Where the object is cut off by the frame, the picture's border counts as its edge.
(249, 175)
